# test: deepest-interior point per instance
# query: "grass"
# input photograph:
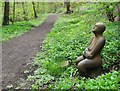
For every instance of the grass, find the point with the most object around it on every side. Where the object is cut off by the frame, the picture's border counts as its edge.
(66, 41)
(19, 28)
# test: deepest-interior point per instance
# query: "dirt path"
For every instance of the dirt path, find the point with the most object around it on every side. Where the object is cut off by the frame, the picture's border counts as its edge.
(19, 51)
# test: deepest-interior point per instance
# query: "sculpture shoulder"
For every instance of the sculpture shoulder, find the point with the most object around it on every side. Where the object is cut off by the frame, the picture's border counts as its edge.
(101, 40)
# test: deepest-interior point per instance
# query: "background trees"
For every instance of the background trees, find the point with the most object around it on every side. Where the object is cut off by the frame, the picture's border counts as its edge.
(20, 11)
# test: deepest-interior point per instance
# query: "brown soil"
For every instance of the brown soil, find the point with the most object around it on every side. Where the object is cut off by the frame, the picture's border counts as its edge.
(17, 53)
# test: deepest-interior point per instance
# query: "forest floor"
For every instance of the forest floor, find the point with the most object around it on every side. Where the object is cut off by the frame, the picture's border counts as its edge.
(17, 54)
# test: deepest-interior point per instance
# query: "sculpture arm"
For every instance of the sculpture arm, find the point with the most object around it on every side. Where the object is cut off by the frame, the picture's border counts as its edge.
(96, 49)
(87, 48)
(87, 54)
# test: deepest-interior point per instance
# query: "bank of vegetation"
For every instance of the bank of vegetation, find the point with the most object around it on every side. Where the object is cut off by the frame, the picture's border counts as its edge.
(66, 41)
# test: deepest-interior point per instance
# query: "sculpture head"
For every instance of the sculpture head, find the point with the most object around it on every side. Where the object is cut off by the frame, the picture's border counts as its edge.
(99, 28)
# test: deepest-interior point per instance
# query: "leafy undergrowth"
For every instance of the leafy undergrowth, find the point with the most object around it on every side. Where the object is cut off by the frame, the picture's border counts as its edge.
(65, 43)
(18, 28)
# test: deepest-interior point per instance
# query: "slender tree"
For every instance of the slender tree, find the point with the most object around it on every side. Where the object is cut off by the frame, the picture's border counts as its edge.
(24, 10)
(43, 6)
(6, 14)
(55, 7)
(38, 7)
(67, 4)
(13, 12)
(35, 13)
(23, 6)
(117, 18)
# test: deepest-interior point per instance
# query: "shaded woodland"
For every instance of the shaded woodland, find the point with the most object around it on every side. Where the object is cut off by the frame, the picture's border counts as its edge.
(55, 65)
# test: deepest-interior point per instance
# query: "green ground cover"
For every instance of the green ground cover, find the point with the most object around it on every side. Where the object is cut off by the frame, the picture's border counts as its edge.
(18, 28)
(66, 41)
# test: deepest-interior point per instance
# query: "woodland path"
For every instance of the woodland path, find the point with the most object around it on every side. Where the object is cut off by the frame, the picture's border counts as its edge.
(18, 52)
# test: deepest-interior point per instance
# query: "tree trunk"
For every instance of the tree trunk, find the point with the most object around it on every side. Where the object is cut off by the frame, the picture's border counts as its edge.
(24, 11)
(35, 13)
(117, 18)
(38, 7)
(55, 7)
(43, 5)
(13, 12)
(6, 14)
(118, 10)
(109, 14)
(67, 4)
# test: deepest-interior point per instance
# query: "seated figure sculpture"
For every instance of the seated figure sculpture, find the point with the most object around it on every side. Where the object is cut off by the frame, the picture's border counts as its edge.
(91, 58)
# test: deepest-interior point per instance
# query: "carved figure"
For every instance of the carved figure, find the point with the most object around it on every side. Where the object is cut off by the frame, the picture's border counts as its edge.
(91, 59)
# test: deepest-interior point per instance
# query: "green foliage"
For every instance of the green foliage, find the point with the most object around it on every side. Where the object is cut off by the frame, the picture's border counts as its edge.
(111, 52)
(40, 79)
(19, 28)
(66, 47)
(64, 83)
(67, 40)
(105, 81)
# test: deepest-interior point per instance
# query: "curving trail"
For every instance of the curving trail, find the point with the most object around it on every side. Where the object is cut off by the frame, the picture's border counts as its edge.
(18, 52)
